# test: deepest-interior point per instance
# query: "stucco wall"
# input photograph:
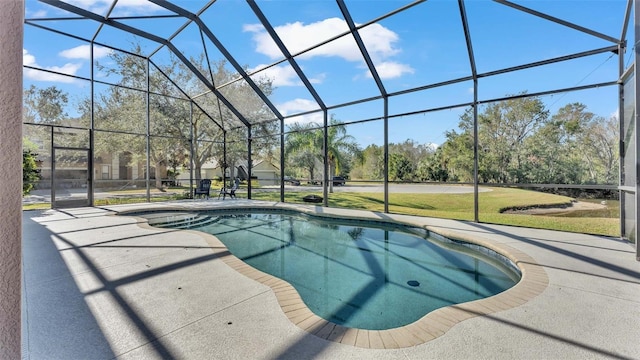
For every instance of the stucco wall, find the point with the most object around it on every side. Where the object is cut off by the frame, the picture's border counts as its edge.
(11, 22)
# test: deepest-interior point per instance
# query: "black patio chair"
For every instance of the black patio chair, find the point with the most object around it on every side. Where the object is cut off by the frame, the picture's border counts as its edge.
(231, 192)
(203, 188)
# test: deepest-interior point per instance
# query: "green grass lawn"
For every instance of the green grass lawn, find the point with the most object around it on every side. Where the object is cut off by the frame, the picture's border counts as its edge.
(36, 206)
(460, 207)
(449, 206)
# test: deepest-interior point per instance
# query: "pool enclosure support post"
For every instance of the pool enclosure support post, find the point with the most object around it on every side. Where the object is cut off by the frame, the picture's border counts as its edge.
(386, 154)
(148, 135)
(621, 170)
(474, 74)
(636, 119)
(476, 200)
(621, 115)
(325, 155)
(383, 92)
(303, 77)
(91, 124)
(624, 73)
(53, 168)
(249, 161)
(282, 155)
(224, 157)
(191, 150)
(11, 43)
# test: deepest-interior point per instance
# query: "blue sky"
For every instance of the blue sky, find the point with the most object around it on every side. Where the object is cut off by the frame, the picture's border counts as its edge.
(420, 46)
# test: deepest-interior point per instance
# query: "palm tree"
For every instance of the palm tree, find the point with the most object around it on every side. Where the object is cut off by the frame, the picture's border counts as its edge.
(308, 139)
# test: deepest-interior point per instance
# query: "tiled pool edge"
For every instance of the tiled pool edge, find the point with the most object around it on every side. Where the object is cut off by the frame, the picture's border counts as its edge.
(435, 324)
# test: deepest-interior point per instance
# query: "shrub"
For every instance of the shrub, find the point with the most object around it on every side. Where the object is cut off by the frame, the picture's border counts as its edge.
(30, 171)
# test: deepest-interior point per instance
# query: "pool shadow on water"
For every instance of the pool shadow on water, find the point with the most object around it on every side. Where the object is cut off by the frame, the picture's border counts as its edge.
(379, 274)
(366, 293)
(370, 251)
(310, 345)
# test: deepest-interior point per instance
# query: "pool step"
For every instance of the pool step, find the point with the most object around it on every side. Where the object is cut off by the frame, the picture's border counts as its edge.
(189, 222)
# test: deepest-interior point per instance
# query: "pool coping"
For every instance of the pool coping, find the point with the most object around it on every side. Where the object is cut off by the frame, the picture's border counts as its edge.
(533, 282)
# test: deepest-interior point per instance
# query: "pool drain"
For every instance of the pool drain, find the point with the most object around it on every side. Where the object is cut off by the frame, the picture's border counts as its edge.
(413, 283)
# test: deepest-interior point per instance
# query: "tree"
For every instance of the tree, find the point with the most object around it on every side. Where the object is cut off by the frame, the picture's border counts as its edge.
(124, 109)
(552, 153)
(208, 128)
(409, 154)
(44, 106)
(413, 151)
(340, 147)
(306, 160)
(308, 138)
(30, 171)
(400, 167)
(503, 128)
(432, 168)
(369, 163)
(574, 147)
(303, 145)
(518, 142)
(172, 118)
(600, 149)
(456, 155)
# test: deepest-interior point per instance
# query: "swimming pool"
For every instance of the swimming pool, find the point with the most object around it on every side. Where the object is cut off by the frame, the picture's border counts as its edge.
(360, 274)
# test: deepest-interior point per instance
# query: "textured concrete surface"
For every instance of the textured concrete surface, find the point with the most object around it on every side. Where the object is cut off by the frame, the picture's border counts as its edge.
(11, 23)
(99, 286)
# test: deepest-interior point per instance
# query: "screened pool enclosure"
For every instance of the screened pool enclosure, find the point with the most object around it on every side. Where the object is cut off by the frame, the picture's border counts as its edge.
(508, 112)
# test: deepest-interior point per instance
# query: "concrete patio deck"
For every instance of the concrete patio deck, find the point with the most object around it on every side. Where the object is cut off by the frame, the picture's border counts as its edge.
(97, 286)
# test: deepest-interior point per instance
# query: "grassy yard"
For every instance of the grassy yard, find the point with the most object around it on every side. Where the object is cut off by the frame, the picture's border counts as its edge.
(450, 206)
(36, 206)
(132, 199)
(460, 207)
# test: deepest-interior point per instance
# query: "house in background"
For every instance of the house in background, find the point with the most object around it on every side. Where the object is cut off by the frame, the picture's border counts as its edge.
(123, 170)
(264, 171)
(120, 170)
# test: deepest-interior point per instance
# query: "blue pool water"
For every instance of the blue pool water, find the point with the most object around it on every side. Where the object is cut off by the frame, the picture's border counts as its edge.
(357, 274)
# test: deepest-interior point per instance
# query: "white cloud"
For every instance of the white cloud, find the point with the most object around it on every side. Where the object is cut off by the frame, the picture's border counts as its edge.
(68, 68)
(123, 7)
(28, 59)
(96, 6)
(318, 79)
(255, 28)
(279, 75)
(379, 41)
(135, 7)
(36, 14)
(84, 52)
(614, 114)
(299, 36)
(283, 75)
(391, 70)
(298, 106)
